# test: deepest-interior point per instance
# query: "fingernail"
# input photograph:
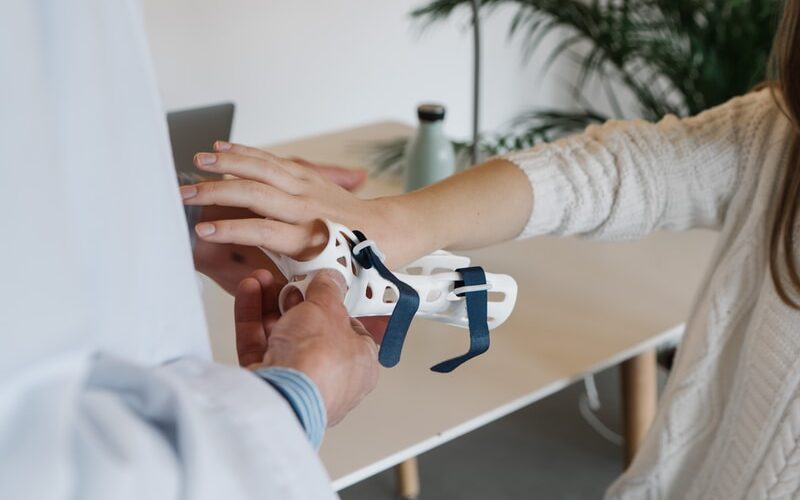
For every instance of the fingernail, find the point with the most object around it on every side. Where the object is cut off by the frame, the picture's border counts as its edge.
(205, 229)
(188, 192)
(205, 159)
(337, 278)
(222, 146)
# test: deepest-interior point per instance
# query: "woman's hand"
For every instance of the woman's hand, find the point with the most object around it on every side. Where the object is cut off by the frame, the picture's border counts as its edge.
(290, 200)
(483, 205)
(228, 264)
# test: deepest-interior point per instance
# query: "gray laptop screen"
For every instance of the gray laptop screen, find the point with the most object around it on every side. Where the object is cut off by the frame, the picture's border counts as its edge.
(195, 130)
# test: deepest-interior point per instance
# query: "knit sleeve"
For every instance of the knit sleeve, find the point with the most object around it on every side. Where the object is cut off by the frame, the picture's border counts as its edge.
(625, 179)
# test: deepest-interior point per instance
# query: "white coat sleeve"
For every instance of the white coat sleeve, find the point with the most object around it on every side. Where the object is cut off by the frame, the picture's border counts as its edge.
(98, 295)
(99, 427)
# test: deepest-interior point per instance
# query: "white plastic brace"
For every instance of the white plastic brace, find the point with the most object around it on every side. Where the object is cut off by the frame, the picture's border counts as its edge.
(369, 294)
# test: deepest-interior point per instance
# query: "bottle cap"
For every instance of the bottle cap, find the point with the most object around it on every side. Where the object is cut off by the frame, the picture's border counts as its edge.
(430, 112)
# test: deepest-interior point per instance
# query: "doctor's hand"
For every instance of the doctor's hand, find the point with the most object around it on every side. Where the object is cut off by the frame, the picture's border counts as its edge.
(316, 337)
(290, 200)
(229, 264)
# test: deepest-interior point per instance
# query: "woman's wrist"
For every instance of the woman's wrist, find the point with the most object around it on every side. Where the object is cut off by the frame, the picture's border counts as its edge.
(400, 230)
(484, 205)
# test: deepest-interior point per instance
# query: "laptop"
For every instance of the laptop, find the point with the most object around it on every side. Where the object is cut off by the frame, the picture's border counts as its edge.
(191, 131)
(194, 130)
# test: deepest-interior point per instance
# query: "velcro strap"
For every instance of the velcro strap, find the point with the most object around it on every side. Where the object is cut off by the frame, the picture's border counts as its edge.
(474, 287)
(404, 310)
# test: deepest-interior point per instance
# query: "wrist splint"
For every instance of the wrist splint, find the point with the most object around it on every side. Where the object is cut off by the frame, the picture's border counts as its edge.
(441, 287)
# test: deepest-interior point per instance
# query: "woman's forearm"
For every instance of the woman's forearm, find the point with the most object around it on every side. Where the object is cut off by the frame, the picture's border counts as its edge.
(484, 205)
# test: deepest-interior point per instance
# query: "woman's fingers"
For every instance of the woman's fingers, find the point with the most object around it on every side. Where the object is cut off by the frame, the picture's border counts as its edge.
(348, 178)
(260, 162)
(273, 171)
(300, 241)
(262, 199)
(240, 149)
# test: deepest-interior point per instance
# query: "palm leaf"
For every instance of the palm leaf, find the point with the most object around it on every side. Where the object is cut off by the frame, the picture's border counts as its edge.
(706, 51)
(673, 56)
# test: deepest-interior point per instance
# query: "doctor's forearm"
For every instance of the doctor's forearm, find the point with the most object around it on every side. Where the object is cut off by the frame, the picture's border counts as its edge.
(303, 396)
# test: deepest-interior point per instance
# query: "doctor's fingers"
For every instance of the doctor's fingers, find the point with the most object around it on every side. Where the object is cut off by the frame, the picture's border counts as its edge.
(301, 241)
(369, 341)
(375, 326)
(271, 286)
(327, 290)
(262, 199)
(251, 337)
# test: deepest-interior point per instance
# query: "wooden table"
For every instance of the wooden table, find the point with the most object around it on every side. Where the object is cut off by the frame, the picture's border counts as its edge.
(583, 306)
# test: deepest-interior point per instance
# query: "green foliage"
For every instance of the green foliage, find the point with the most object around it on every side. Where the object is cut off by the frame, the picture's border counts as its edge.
(673, 56)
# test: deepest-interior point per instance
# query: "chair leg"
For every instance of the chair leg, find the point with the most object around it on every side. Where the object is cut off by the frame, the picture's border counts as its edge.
(639, 399)
(407, 474)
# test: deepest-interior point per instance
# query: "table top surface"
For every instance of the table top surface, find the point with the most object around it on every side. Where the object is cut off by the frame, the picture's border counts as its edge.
(582, 306)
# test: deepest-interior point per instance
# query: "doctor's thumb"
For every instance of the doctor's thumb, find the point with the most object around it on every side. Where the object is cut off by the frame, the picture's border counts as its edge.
(327, 289)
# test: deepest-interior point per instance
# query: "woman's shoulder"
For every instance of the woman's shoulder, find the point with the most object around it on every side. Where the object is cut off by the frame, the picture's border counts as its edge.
(738, 118)
(755, 111)
(757, 105)
(753, 124)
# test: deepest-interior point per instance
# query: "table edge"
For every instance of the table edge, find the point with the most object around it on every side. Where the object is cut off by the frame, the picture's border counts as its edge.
(672, 334)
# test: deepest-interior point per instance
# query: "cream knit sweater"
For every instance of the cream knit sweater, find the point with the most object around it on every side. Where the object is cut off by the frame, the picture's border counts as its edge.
(728, 425)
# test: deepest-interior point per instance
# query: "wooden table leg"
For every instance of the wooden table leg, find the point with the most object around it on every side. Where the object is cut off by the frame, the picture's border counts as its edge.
(407, 474)
(639, 399)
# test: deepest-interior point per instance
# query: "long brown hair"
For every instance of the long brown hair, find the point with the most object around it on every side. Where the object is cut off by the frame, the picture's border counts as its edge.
(784, 73)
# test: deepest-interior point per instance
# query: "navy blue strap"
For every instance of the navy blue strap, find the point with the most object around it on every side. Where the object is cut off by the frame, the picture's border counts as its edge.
(404, 310)
(477, 310)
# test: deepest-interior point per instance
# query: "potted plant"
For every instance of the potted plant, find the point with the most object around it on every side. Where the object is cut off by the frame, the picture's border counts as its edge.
(671, 56)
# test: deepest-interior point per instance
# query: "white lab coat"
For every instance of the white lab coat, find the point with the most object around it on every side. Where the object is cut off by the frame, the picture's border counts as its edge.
(97, 291)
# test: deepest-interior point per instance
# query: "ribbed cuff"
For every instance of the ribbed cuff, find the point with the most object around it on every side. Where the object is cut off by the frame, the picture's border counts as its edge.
(550, 190)
(303, 396)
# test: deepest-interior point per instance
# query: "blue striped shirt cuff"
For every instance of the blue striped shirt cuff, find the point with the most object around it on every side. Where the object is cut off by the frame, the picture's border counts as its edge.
(303, 396)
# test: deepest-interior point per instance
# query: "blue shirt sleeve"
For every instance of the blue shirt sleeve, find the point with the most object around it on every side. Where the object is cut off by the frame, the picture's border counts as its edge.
(303, 396)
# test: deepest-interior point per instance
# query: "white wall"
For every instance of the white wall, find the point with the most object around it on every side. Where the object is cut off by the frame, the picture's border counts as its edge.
(297, 67)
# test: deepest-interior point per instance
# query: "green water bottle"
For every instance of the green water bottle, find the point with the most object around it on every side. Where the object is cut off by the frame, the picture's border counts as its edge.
(429, 154)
